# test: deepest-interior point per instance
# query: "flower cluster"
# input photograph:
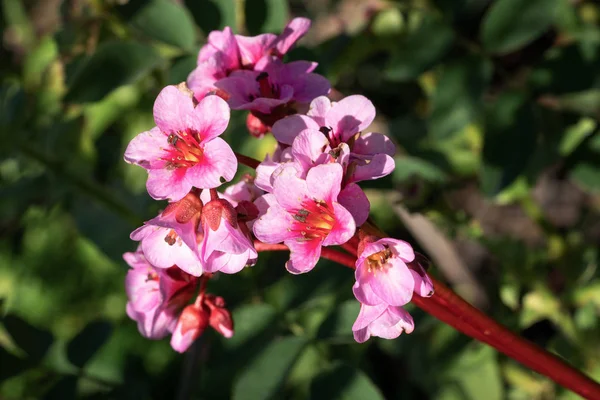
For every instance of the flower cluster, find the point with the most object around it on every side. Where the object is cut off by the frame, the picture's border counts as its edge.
(304, 195)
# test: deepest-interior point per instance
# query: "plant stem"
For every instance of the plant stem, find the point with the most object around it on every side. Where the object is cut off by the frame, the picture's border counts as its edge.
(247, 161)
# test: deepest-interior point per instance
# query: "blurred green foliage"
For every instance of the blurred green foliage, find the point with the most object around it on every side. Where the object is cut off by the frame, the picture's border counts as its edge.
(494, 106)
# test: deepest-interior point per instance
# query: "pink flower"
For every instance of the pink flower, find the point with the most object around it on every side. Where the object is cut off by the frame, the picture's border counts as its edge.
(226, 245)
(184, 150)
(155, 295)
(244, 190)
(273, 84)
(191, 324)
(305, 214)
(340, 122)
(382, 320)
(172, 236)
(383, 276)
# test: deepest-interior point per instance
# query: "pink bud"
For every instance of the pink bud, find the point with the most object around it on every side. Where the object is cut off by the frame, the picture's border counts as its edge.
(256, 127)
(214, 210)
(192, 322)
(246, 211)
(220, 317)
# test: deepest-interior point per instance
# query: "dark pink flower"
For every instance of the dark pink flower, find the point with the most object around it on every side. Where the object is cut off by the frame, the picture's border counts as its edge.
(191, 324)
(273, 84)
(184, 150)
(342, 122)
(156, 296)
(381, 320)
(383, 276)
(226, 245)
(305, 214)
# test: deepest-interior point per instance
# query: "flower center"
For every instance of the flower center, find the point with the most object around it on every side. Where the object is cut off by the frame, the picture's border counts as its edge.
(314, 220)
(267, 89)
(151, 276)
(376, 261)
(185, 150)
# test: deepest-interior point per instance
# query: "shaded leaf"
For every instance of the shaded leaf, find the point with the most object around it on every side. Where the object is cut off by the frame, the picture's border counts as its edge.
(87, 342)
(32, 340)
(11, 365)
(420, 50)
(339, 322)
(213, 14)
(65, 388)
(114, 64)
(344, 382)
(511, 24)
(167, 22)
(181, 68)
(265, 15)
(264, 376)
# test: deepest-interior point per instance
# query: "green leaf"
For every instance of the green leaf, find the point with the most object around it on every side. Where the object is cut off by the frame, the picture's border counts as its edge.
(213, 14)
(266, 374)
(87, 342)
(167, 22)
(420, 50)
(65, 388)
(33, 341)
(250, 321)
(344, 382)
(511, 24)
(114, 64)
(265, 15)
(408, 168)
(509, 141)
(457, 99)
(339, 323)
(181, 68)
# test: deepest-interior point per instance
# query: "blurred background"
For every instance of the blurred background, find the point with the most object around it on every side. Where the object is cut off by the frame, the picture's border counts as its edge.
(494, 106)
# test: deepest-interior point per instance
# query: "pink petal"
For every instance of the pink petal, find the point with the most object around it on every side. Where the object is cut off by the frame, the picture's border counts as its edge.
(356, 202)
(226, 43)
(273, 226)
(379, 166)
(373, 143)
(324, 181)
(368, 314)
(168, 184)
(287, 129)
(343, 229)
(254, 48)
(391, 324)
(202, 79)
(210, 117)
(310, 148)
(319, 108)
(363, 292)
(289, 190)
(400, 248)
(310, 86)
(393, 284)
(172, 109)
(146, 149)
(294, 30)
(423, 283)
(218, 165)
(351, 115)
(303, 255)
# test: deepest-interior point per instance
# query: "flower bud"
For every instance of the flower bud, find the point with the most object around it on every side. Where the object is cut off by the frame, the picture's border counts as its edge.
(192, 322)
(256, 127)
(220, 317)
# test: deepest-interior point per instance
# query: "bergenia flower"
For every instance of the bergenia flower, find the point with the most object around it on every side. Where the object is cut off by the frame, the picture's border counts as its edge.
(171, 237)
(191, 324)
(226, 245)
(343, 122)
(184, 150)
(273, 84)
(382, 320)
(155, 296)
(305, 214)
(383, 276)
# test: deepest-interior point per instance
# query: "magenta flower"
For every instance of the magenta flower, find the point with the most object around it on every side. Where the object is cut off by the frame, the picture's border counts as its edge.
(343, 122)
(172, 236)
(305, 214)
(184, 150)
(226, 245)
(382, 320)
(156, 296)
(191, 324)
(383, 276)
(273, 84)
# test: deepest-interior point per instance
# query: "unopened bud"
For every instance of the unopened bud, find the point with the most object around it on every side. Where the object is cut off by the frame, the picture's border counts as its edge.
(220, 317)
(190, 325)
(246, 211)
(256, 127)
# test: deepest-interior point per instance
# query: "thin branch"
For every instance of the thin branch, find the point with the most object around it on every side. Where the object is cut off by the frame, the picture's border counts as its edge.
(247, 161)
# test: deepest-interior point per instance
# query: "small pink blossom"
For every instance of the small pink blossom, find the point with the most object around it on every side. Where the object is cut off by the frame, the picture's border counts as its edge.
(305, 214)
(226, 245)
(381, 320)
(342, 122)
(156, 296)
(172, 237)
(184, 150)
(383, 276)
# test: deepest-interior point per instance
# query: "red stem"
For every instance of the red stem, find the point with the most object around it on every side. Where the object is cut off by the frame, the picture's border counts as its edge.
(450, 308)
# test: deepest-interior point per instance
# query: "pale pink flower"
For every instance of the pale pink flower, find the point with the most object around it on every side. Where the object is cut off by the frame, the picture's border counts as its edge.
(184, 150)
(381, 320)
(191, 324)
(383, 276)
(155, 296)
(172, 237)
(305, 214)
(342, 122)
(226, 245)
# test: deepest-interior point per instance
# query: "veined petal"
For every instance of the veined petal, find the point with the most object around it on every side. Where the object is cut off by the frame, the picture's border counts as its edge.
(253, 48)
(351, 115)
(379, 166)
(210, 117)
(274, 225)
(218, 165)
(163, 184)
(356, 202)
(371, 143)
(293, 31)
(324, 182)
(394, 284)
(303, 255)
(289, 190)
(146, 149)
(344, 227)
(368, 314)
(287, 129)
(172, 109)
(319, 108)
